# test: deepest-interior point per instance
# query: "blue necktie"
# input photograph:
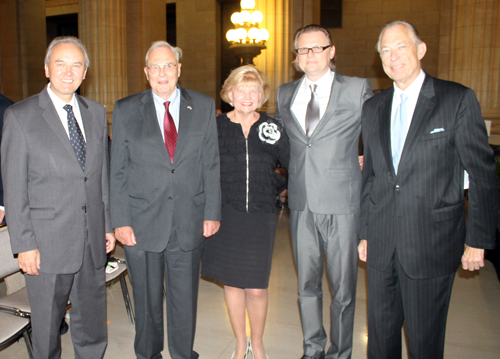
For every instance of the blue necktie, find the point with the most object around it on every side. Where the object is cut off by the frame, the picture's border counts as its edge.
(399, 131)
(76, 137)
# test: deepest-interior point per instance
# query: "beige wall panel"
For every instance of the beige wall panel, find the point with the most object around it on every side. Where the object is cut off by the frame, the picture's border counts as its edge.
(196, 35)
(22, 48)
(473, 29)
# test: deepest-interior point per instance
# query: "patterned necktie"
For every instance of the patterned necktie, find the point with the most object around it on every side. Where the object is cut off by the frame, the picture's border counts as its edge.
(399, 131)
(76, 137)
(170, 132)
(312, 114)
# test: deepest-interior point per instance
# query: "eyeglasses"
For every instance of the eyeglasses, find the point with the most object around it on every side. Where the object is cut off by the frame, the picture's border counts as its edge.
(315, 49)
(155, 69)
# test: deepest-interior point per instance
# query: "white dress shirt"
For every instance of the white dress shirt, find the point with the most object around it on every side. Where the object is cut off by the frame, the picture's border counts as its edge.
(63, 114)
(412, 92)
(323, 91)
(174, 108)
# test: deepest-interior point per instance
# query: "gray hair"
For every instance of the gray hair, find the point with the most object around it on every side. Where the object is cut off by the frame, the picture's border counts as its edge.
(414, 34)
(176, 50)
(312, 28)
(66, 40)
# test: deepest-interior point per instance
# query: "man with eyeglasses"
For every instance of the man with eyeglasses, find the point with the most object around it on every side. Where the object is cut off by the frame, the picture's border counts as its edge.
(165, 198)
(322, 115)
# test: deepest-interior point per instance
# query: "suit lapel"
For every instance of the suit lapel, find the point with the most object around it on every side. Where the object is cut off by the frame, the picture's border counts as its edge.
(289, 100)
(151, 126)
(385, 111)
(423, 110)
(88, 127)
(185, 120)
(51, 117)
(149, 116)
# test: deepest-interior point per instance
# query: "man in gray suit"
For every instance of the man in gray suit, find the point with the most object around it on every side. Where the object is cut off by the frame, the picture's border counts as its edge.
(55, 173)
(321, 113)
(165, 198)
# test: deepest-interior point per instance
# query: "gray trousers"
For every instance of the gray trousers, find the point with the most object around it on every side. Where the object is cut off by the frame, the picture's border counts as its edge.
(334, 237)
(48, 295)
(147, 272)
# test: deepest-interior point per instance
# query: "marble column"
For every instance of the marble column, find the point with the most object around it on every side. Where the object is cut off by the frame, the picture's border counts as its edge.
(102, 28)
(470, 50)
(276, 60)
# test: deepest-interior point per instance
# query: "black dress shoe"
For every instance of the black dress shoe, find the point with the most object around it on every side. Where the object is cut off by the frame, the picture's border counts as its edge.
(319, 356)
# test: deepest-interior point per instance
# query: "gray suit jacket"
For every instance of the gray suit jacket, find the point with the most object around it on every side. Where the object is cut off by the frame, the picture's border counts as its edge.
(420, 212)
(4, 103)
(324, 169)
(147, 191)
(50, 202)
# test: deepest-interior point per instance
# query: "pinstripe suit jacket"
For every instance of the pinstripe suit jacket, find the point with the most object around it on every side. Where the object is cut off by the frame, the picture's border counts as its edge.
(420, 212)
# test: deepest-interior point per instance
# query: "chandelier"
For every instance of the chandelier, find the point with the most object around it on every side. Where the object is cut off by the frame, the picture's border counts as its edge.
(247, 38)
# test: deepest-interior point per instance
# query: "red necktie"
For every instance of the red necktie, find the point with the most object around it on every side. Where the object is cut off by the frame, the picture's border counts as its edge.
(170, 132)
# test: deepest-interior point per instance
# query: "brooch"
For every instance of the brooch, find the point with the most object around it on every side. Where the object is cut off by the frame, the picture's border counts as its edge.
(268, 132)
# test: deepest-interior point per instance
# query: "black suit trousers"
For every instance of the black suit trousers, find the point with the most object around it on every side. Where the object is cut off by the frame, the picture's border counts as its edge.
(422, 304)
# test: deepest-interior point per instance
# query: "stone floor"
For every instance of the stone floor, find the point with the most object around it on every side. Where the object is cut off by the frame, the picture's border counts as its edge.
(473, 323)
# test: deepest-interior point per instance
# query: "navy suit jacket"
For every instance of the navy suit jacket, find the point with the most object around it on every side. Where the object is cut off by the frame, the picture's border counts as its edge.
(420, 212)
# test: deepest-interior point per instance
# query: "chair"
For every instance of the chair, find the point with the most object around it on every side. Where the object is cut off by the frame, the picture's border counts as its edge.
(14, 308)
(120, 273)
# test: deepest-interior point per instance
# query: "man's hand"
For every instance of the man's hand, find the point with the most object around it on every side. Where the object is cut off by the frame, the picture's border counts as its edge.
(125, 235)
(473, 258)
(110, 242)
(360, 159)
(362, 249)
(210, 228)
(2, 214)
(29, 261)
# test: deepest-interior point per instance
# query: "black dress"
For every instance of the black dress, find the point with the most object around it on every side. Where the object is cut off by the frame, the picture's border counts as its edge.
(239, 255)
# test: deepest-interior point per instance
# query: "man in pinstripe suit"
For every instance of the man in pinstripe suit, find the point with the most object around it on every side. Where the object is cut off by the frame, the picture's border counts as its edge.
(419, 137)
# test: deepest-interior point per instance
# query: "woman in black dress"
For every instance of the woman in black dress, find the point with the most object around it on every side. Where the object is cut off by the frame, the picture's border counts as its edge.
(239, 255)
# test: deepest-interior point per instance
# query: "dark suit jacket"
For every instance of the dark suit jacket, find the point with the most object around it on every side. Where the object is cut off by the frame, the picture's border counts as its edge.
(420, 212)
(49, 201)
(324, 169)
(4, 103)
(147, 191)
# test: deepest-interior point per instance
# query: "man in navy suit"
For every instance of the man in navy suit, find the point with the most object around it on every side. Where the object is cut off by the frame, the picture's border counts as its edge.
(419, 136)
(4, 103)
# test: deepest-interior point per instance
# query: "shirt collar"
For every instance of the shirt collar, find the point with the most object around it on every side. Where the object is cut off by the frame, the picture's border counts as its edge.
(413, 90)
(173, 97)
(58, 102)
(325, 80)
